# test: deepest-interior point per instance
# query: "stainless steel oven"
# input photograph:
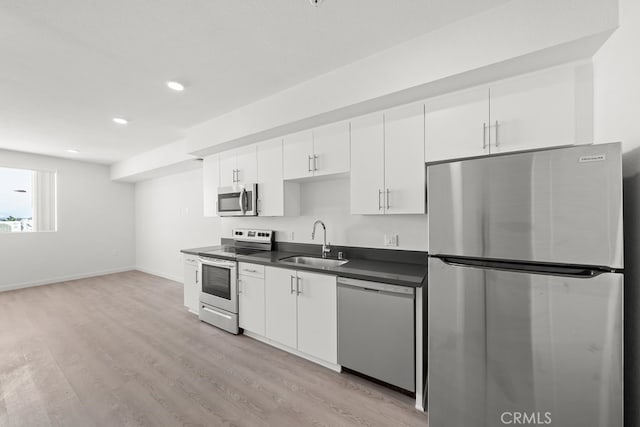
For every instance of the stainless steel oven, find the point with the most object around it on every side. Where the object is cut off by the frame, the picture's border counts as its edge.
(238, 200)
(219, 293)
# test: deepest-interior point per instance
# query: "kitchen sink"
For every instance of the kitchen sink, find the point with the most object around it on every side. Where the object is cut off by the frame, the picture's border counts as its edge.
(315, 262)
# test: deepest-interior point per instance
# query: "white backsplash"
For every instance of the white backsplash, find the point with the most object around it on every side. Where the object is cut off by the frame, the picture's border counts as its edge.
(328, 200)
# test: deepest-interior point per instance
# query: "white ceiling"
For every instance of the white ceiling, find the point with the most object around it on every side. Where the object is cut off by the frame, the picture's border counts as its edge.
(68, 67)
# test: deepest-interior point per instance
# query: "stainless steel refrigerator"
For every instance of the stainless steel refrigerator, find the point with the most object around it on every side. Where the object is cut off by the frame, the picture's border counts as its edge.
(525, 292)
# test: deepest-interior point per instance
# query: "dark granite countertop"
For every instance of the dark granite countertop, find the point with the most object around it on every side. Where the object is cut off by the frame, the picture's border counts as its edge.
(395, 272)
(198, 251)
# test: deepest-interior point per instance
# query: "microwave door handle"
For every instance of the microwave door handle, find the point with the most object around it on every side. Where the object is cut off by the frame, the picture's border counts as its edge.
(243, 195)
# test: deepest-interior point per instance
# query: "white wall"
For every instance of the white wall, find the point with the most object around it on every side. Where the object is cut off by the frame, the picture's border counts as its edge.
(328, 200)
(95, 227)
(617, 118)
(169, 218)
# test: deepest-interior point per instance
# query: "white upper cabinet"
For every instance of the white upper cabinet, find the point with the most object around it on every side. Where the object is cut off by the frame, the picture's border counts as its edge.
(404, 171)
(210, 184)
(298, 155)
(247, 165)
(387, 162)
(239, 166)
(331, 149)
(228, 163)
(367, 165)
(456, 125)
(322, 151)
(543, 109)
(534, 111)
(270, 179)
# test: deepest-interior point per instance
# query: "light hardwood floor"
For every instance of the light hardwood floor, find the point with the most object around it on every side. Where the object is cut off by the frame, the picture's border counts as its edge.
(121, 350)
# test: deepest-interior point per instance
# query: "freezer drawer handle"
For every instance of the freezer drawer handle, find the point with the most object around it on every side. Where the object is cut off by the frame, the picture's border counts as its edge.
(580, 272)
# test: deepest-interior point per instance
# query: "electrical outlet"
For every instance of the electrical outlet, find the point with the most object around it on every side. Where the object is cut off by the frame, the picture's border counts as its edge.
(291, 236)
(391, 240)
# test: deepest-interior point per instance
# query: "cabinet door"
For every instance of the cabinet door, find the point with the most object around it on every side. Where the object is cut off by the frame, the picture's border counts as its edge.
(533, 111)
(405, 185)
(456, 125)
(228, 166)
(210, 184)
(280, 306)
(317, 316)
(251, 304)
(331, 149)
(270, 179)
(191, 283)
(247, 165)
(298, 155)
(367, 165)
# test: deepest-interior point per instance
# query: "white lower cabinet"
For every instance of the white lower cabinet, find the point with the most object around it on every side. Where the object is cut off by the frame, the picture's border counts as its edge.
(251, 303)
(301, 311)
(317, 315)
(191, 283)
(251, 297)
(281, 306)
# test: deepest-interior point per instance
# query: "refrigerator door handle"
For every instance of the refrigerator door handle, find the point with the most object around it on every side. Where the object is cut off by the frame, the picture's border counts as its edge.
(576, 271)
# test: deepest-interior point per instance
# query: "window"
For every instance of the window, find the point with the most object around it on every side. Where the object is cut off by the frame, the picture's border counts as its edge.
(27, 200)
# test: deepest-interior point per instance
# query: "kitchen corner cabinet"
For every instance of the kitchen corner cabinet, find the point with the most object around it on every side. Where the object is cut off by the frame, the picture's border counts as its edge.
(542, 109)
(210, 184)
(251, 298)
(275, 196)
(387, 162)
(238, 166)
(319, 152)
(301, 311)
(191, 283)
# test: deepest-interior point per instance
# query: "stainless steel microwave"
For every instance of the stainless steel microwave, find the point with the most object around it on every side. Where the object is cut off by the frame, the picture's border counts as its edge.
(238, 200)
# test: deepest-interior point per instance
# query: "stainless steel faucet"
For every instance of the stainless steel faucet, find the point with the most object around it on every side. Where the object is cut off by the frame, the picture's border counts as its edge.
(325, 247)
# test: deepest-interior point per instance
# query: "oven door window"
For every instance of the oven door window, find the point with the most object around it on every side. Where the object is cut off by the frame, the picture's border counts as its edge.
(229, 202)
(216, 281)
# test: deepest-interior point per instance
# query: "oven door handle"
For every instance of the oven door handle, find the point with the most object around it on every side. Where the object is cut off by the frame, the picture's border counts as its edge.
(213, 263)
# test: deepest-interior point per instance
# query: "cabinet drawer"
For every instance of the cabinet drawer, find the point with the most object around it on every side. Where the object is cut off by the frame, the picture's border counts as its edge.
(191, 259)
(253, 270)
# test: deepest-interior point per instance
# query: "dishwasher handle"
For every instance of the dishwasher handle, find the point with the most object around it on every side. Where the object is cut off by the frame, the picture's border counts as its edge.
(376, 286)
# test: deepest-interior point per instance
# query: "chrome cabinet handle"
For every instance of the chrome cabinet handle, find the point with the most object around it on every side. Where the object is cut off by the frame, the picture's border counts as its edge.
(291, 288)
(239, 286)
(315, 162)
(233, 175)
(484, 136)
(196, 276)
(298, 291)
(379, 204)
(388, 201)
(250, 271)
(496, 133)
(309, 158)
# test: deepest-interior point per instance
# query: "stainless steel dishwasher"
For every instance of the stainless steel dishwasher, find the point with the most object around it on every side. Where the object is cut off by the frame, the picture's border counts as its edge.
(376, 331)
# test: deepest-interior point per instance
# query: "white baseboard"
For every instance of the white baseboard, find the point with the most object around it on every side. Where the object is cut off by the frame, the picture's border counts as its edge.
(283, 347)
(52, 280)
(159, 273)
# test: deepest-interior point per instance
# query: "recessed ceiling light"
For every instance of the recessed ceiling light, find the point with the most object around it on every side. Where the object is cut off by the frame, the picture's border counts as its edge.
(120, 120)
(178, 87)
(72, 151)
